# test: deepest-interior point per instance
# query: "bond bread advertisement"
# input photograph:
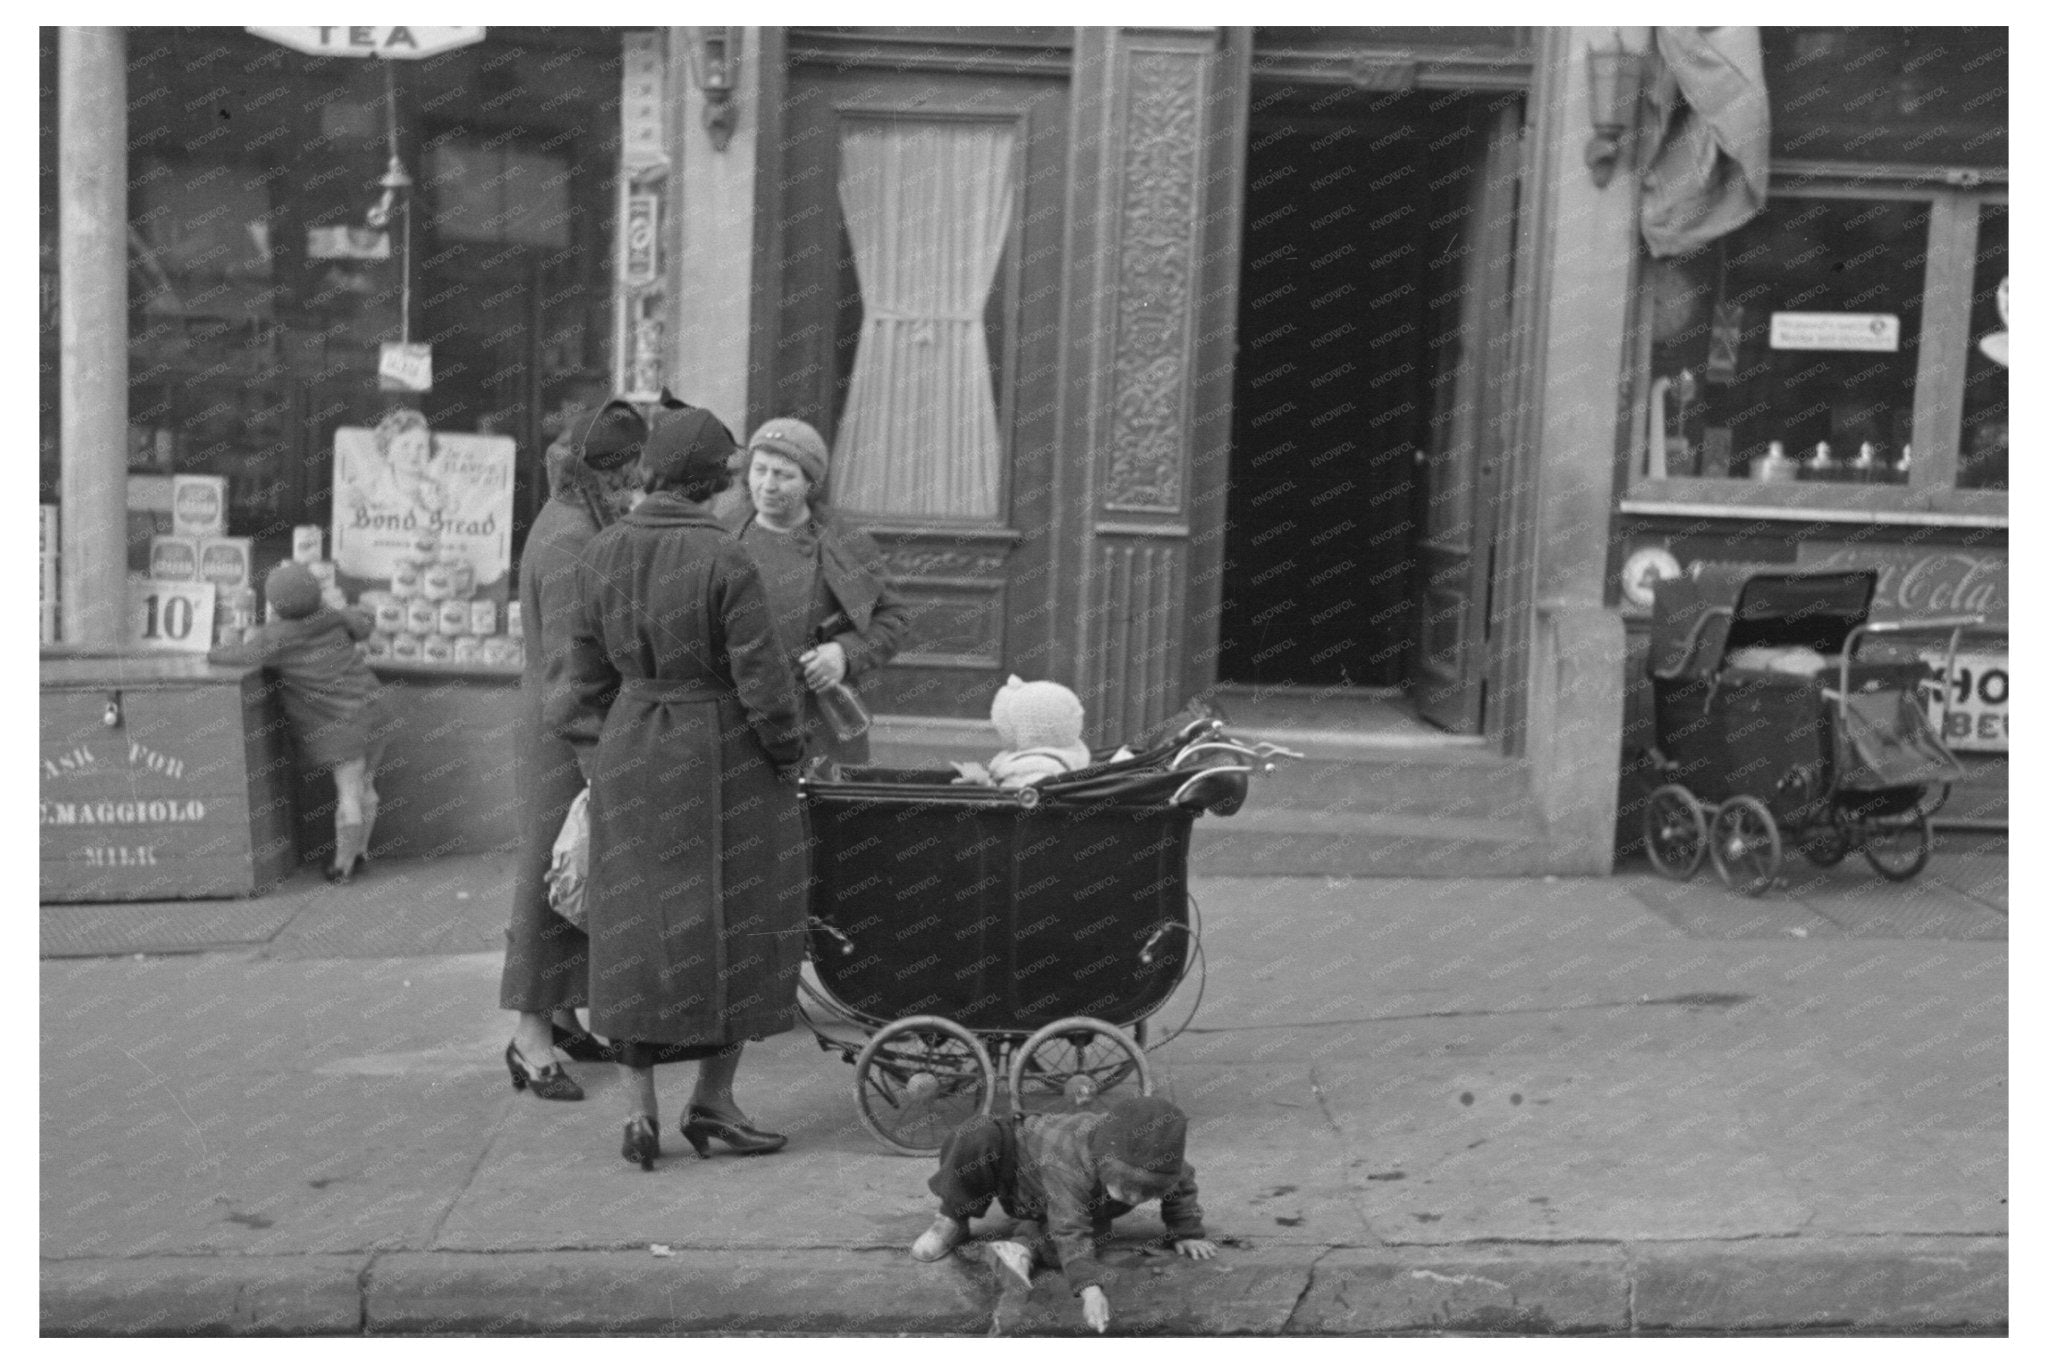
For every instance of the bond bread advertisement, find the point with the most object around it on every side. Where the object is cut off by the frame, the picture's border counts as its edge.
(405, 496)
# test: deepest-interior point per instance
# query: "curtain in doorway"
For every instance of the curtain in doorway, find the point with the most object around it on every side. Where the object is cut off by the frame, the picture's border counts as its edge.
(927, 205)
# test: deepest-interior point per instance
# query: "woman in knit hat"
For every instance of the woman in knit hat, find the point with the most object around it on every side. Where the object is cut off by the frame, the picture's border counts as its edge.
(685, 714)
(333, 705)
(828, 584)
(593, 473)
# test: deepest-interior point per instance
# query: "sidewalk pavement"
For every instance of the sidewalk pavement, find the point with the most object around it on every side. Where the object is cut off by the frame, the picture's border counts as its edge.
(1538, 1106)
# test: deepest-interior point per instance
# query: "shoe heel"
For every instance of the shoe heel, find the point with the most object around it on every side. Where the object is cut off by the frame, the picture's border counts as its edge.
(518, 1075)
(642, 1143)
(699, 1142)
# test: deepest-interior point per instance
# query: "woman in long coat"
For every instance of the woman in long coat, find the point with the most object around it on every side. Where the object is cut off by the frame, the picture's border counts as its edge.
(593, 472)
(686, 715)
(828, 584)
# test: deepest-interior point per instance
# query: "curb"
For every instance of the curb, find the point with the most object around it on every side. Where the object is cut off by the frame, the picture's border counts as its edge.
(1925, 1283)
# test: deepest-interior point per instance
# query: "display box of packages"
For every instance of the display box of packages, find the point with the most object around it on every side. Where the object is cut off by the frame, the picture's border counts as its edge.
(224, 561)
(174, 558)
(199, 504)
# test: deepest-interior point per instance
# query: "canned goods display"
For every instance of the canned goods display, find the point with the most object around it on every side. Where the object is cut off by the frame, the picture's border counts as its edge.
(308, 544)
(497, 650)
(405, 578)
(437, 649)
(483, 617)
(512, 620)
(468, 649)
(422, 617)
(391, 615)
(461, 577)
(453, 618)
(406, 647)
(378, 645)
(437, 582)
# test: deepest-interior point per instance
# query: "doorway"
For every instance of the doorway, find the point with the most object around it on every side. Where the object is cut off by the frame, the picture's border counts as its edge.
(1375, 267)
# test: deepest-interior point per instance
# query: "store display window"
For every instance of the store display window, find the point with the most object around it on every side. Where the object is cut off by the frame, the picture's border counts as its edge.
(1845, 347)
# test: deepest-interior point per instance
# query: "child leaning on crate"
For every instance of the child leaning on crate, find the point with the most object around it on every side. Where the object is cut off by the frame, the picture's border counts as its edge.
(333, 704)
(1071, 1175)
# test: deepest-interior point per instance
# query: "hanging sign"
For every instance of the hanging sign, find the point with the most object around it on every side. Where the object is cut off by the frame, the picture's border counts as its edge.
(1971, 710)
(393, 42)
(405, 367)
(1835, 331)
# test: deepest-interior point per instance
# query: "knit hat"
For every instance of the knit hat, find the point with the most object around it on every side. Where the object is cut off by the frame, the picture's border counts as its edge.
(611, 436)
(797, 441)
(292, 590)
(1145, 1132)
(686, 453)
(1037, 714)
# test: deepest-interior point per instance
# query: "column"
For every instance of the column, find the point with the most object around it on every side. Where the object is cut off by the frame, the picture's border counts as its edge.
(1139, 172)
(714, 204)
(1565, 705)
(92, 266)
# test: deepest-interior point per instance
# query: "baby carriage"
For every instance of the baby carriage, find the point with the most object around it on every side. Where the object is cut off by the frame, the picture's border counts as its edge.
(973, 935)
(1783, 712)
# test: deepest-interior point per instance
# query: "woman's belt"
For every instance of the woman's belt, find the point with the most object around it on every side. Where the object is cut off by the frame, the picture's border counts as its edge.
(671, 690)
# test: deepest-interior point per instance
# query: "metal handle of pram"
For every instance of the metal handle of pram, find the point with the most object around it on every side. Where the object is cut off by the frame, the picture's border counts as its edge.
(1262, 752)
(1198, 778)
(1955, 625)
(1692, 642)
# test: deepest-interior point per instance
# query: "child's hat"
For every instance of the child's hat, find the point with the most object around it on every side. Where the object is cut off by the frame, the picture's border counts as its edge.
(292, 590)
(1037, 714)
(1146, 1132)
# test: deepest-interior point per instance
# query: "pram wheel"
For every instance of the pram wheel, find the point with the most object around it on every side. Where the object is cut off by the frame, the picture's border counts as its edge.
(1745, 845)
(1899, 852)
(918, 1079)
(1674, 832)
(1066, 1064)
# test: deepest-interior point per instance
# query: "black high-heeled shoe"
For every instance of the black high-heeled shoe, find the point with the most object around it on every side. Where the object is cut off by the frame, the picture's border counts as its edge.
(701, 1124)
(546, 1082)
(583, 1046)
(642, 1142)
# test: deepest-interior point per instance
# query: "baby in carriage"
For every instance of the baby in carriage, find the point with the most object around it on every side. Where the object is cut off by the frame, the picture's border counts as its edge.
(1041, 724)
(1066, 1177)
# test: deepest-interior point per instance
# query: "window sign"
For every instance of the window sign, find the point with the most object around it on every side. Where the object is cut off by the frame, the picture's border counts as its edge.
(172, 616)
(1834, 331)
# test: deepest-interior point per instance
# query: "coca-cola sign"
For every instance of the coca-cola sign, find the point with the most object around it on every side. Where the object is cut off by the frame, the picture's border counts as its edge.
(1922, 581)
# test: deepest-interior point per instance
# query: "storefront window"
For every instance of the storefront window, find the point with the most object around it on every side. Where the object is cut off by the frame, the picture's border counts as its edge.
(1799, 331)
(1844, 348)
(1984, 389)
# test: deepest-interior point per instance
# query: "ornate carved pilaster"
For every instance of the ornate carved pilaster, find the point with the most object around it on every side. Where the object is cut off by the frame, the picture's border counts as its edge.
(1159, 224)
(1141, 153)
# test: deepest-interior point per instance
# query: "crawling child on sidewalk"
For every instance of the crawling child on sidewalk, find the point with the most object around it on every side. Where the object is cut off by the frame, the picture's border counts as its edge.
(1071, 1174)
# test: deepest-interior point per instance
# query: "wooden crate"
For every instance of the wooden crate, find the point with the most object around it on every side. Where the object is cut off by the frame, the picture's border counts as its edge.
(184, 795)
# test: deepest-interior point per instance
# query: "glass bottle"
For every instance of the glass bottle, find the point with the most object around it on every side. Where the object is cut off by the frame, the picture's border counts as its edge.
(843, 711)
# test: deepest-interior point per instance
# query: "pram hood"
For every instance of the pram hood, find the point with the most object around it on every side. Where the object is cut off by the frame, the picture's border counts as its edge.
(1699, 619)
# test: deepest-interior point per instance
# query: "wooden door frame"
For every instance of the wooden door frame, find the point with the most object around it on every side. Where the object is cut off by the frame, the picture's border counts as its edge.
(1512, 598)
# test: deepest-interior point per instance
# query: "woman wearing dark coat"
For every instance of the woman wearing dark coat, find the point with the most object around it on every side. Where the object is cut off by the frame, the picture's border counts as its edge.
(828, 585)
(593, 473)
(686, 716)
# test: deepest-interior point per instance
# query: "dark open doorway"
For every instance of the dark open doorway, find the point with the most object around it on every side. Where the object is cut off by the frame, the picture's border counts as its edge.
(1358, 401)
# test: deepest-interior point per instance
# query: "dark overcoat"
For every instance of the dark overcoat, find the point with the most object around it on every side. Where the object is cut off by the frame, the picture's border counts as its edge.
(685, 713)
(333, 706)
(856, 607)
(546, 956)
